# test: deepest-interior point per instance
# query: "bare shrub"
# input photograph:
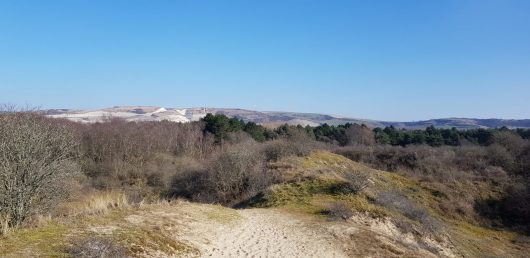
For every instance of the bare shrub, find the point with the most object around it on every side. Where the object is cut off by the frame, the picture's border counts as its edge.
(443, 164)
(470, 158)
(397, 201)
(404, 226)
(118, 153)
(500, 156)
(36, 155)
(189, 185)
(339, 210)
(278, 149)
(357, 153)
(237, 174)
(359, 134)
(97, 246)
(158, 170)
(232, 176)
(458, 207)
(356, 181)
(239, 137)
(511, 141)
(496, 174)
(524, 161)
(454, 170)
(514, 208)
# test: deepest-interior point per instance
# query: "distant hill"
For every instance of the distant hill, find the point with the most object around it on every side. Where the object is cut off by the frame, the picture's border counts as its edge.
(272, 119)
(464, 123)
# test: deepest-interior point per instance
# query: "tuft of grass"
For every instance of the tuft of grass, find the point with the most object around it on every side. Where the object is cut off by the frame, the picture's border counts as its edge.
(98, 203)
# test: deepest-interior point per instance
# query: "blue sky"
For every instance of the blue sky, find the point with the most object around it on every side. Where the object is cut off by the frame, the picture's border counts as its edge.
(391, 60)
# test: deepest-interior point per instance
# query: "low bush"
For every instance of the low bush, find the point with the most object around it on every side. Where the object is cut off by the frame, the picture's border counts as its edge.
(513, 209)
(356, 181)
(396, 201)
(278, 149)
(232, 176)
(338, 210)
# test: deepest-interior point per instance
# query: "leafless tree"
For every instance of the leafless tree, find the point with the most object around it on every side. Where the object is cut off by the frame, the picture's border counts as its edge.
(237, 174)
(36, 156)
(360, 134)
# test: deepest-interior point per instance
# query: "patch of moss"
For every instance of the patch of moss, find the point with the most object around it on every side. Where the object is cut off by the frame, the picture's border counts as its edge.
(47, 241)
(296, 192)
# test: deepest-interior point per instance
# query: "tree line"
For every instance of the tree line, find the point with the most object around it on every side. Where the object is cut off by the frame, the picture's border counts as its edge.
(349, 134)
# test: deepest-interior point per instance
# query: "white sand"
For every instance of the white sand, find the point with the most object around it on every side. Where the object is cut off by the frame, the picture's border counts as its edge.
(270, 233)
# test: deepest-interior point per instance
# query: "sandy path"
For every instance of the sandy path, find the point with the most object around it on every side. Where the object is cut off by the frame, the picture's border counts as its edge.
(269, 233)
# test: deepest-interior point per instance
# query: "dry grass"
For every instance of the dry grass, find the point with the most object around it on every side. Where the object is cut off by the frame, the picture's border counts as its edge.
(97, 203)
(150, 230)
(144, 241)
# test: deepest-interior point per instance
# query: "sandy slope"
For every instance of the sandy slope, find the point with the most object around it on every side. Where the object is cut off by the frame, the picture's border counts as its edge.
(183, 229)
(269, 233)
(216, 231)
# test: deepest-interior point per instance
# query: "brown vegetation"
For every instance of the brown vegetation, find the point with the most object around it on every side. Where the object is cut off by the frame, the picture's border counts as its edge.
(339, 210)
(487, 184)
(44, 160)
(37, 156)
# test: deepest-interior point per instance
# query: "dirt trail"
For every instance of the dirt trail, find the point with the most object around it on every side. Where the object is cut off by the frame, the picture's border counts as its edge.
(269, 233)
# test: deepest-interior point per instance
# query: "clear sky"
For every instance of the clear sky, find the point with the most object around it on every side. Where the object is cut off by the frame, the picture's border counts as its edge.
(390, 60)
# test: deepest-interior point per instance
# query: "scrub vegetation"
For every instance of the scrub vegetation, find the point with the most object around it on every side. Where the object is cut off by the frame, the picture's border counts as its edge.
(452, 191)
